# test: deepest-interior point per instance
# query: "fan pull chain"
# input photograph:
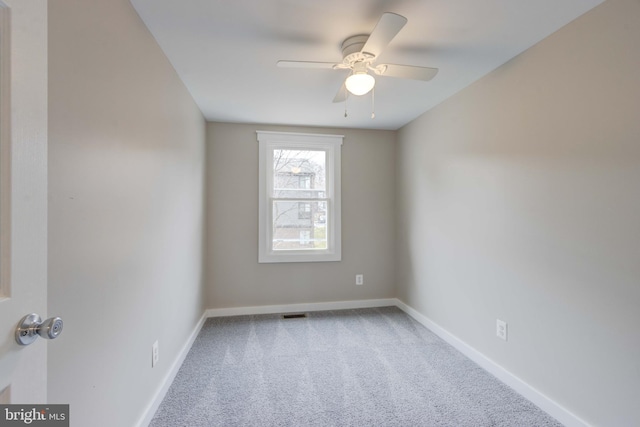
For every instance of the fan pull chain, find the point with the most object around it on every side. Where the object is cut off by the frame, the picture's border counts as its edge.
(345, 105)
(373, 103)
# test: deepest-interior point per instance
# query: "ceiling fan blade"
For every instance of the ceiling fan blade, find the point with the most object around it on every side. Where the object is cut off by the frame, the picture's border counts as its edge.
(386, 29)
(342, 94)
(306, 64)
(406, 71)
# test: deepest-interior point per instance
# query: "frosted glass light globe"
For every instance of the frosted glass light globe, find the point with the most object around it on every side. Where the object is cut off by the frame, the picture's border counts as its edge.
(360, 83)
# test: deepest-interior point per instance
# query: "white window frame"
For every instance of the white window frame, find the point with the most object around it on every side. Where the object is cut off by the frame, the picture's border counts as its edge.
(331, 144)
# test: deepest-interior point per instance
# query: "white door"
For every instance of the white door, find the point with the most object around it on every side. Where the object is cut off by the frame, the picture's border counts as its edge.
(23, 195)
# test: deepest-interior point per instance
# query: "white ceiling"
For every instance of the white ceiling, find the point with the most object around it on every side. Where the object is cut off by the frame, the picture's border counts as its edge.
(226, 51)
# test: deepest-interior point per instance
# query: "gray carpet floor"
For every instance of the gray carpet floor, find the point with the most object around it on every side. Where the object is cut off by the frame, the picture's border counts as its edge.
(366, 367)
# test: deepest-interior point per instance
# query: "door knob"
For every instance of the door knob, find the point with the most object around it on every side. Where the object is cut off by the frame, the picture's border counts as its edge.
(31, 326)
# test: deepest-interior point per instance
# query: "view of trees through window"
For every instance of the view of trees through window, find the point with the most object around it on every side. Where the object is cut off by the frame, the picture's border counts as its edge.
(299, 200)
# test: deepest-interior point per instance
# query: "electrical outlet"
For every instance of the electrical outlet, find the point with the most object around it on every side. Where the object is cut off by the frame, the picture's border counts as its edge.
(155, 354)
(501, 329)
(359, 279)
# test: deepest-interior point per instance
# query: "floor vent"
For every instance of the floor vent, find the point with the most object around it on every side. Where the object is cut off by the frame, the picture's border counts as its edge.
(295, 316)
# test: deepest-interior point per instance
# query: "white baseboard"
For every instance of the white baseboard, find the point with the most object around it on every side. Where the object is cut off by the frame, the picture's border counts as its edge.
(291, 308)
(155, 402)
(552, 408)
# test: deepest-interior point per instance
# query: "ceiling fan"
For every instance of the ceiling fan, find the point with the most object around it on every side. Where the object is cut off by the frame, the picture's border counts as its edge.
(359, 54)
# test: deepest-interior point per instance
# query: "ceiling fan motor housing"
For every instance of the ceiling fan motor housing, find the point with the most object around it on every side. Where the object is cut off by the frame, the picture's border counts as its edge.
(352, 50)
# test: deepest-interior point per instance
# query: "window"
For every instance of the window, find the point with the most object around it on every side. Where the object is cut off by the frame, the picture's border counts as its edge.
(304, 210)
(304, 181)
(299, 197)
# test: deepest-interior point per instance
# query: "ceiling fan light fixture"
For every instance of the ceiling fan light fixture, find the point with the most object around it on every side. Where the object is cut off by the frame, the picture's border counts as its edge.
(360, 83)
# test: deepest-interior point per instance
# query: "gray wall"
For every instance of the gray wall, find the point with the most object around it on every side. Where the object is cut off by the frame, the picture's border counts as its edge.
(236, 279)
(126, 180)
(519, 200)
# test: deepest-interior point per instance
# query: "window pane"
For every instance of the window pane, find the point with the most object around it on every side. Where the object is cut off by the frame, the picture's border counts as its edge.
(299, 174)
(299, 225)
(304, 210)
